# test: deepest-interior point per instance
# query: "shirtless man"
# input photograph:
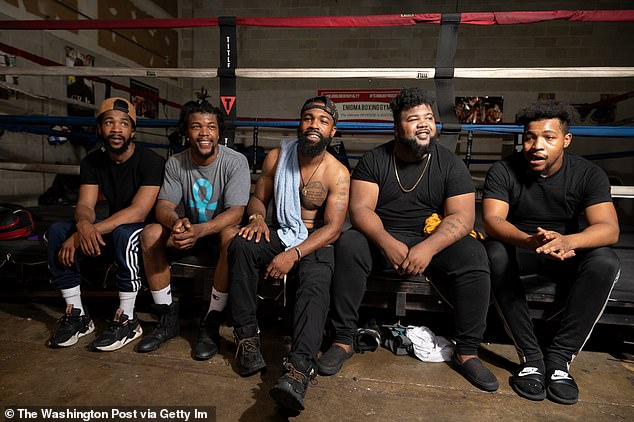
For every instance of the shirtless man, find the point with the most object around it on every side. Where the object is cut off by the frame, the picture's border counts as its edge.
(310, 191)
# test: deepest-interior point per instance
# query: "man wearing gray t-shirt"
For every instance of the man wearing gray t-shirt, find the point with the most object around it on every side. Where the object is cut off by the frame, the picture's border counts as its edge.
(212, 182)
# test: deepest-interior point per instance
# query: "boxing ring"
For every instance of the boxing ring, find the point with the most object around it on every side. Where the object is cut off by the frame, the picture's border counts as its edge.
(443, 73)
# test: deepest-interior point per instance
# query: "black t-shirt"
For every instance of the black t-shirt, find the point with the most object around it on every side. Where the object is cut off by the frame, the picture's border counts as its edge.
(553, 203)
(403, 212)
(120, 182)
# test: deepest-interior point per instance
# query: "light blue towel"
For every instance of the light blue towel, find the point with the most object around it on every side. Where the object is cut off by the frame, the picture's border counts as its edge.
(292, 230)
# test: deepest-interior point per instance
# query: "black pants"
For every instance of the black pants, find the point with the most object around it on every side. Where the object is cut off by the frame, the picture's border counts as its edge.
(591, 274)
(463, 264)
(312, 276)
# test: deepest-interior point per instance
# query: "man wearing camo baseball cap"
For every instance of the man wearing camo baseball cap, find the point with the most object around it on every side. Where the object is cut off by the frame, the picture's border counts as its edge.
(129, 176)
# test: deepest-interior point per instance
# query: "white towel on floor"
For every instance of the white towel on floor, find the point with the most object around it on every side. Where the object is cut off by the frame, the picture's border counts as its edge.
(429, 347)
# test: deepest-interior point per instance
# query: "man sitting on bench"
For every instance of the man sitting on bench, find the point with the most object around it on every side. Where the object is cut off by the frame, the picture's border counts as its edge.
(212, 182)
(394, 189)
(532, 203)
(310, 190)
(129, 176)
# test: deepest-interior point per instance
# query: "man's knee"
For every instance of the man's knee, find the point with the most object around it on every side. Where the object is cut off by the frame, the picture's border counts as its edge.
(603, 262)
(226, 236)
(125, 232)
(152, 237)
(240, 246)
(58, 232)
(463, 257)
(350, 244)
(498, 255)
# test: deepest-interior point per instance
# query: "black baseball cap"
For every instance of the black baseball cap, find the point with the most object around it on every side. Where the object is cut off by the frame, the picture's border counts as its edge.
(323, 103)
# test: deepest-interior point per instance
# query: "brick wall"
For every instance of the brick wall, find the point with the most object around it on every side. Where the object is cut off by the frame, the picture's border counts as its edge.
(547, 44)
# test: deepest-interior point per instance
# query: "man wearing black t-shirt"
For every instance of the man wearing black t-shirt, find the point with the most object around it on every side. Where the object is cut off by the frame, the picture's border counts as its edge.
(532, 203)
(129, 177)
(394, 189)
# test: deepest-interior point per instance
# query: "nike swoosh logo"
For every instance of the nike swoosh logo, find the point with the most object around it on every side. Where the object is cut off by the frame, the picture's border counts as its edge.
(560, 375)
(529, 370)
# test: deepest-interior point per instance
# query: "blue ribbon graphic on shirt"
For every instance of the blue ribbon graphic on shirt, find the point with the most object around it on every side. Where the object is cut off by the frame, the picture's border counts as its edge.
(202, 204)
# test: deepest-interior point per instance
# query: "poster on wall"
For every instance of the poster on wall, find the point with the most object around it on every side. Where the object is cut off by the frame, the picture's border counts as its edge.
(480, 110)
(145, 99)
(78, 88)
(362, 105)
(7, 60)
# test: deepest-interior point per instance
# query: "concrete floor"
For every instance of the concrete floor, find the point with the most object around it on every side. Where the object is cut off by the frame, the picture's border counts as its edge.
(372, 386)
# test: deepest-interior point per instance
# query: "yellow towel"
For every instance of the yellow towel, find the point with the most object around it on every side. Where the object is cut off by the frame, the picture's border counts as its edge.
(433, 221)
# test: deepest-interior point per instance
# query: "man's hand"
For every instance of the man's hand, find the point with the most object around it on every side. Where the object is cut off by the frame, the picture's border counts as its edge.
(90, 239)
(66, 253)
(184, 234)
(417, 260)
(554, 244)
(256, 228)
(395, 252)
(281, 264)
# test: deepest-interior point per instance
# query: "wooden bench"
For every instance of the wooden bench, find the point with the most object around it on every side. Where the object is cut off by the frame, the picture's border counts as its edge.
(27, 257)
(545, 300)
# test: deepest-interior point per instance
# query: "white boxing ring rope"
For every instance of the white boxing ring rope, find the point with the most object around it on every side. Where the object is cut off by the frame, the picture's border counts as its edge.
(310, 73)
(313, 73)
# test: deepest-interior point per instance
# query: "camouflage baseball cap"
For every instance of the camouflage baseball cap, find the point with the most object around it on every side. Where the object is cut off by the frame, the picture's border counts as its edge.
(120, 104)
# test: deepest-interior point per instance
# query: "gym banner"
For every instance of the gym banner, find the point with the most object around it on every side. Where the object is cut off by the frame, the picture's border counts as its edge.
(362, 105)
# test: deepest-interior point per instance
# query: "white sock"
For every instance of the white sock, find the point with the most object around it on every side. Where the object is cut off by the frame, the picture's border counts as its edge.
(126, 302)
(218, 300)
(72, 296)
(163, 296)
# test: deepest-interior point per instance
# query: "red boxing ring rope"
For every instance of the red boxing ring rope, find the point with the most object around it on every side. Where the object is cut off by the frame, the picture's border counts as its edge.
(473, 18)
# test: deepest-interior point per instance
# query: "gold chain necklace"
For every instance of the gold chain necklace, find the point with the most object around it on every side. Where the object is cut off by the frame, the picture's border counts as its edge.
(398, 179)
(304, 190)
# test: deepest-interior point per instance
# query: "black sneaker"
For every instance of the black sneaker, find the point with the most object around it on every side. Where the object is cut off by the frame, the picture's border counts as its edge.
(121, 331)
(168, 327)
(208, 337)
(290, 389)
(72, 326)
(249, 359)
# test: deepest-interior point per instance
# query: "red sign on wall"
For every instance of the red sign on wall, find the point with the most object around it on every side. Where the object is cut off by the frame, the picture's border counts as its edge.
(371, 105)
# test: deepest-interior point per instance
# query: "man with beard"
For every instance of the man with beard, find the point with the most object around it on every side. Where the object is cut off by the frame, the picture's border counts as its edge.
(129, 177)
(212, 183)
(310, 190)
(532, 204)
(394, 189)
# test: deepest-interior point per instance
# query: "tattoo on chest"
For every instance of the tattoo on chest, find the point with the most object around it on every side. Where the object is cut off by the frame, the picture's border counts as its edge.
(314, 192)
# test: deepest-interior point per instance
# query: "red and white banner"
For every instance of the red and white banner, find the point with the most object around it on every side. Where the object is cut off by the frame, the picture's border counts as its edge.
(362, 105)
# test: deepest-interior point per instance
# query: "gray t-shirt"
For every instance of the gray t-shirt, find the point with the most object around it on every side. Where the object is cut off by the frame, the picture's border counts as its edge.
(206, 191)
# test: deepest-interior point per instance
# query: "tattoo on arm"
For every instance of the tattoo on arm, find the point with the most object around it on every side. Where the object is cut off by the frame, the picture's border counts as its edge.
(465, 228)
(451, 229)
(342, 185)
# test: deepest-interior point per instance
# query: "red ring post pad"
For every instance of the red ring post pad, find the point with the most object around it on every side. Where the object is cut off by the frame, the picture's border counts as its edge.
(475, 18)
